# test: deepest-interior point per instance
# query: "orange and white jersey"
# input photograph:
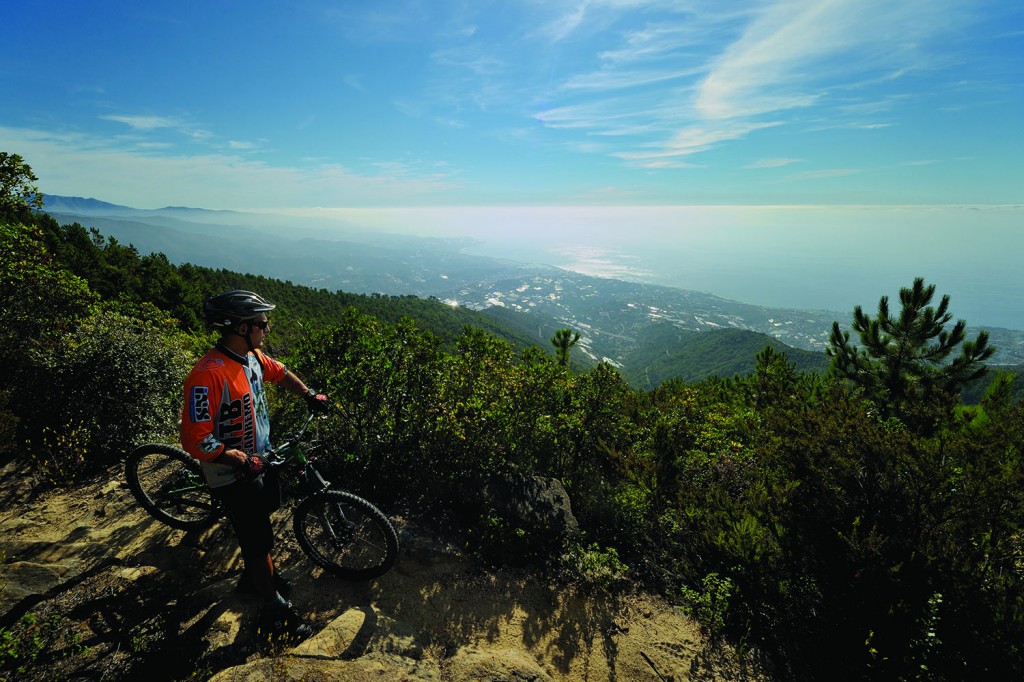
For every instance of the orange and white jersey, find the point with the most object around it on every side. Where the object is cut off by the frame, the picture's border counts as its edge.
(226, 408)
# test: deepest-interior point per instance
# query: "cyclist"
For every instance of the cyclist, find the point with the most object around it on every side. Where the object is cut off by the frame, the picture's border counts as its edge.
(225, 425)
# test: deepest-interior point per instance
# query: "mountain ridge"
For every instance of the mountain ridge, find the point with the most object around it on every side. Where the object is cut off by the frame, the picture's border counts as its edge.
(612, 315)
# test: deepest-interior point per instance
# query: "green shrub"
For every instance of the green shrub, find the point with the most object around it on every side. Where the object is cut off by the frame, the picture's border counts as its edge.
(38, 297)
(96, 391)
(709, 606)
(595, 567)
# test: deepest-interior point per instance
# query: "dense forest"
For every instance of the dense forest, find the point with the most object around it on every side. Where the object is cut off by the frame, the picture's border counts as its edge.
(855, 523)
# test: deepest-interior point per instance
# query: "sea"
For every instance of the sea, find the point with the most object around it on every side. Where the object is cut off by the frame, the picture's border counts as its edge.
(829, 258)
(808, 258)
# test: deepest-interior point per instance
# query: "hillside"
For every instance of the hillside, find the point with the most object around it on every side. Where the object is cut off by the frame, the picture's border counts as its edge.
(119, 596)
(647, 343)
(321, 306)
(670, 352)
(789, 513)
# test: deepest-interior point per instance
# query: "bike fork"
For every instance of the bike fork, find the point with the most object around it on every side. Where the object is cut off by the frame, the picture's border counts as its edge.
(317, 484)
(341, 530)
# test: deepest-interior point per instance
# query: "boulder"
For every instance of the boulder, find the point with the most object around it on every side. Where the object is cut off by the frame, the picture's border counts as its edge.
(517, 518)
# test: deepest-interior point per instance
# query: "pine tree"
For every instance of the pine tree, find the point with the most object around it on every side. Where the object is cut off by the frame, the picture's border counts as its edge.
(902, 361)
(563, 341)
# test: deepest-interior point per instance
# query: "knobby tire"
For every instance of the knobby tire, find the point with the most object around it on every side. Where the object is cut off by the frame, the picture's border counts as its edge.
(346, 535)
(169, 484)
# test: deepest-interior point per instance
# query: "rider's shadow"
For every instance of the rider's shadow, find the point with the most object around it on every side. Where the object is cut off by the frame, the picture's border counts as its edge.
(226, 624)
(159, 627)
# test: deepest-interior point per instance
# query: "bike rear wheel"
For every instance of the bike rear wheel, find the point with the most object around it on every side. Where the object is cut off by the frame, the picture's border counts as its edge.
(346, 535)
(169, 484)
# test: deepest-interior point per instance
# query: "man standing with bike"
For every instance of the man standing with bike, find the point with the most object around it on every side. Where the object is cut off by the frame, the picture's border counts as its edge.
(225, 425)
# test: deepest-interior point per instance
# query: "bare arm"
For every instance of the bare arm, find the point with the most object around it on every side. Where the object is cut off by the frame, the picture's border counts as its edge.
(294, 384)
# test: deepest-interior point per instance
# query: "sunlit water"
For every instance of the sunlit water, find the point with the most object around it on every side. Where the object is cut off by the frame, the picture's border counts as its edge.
(823, 258)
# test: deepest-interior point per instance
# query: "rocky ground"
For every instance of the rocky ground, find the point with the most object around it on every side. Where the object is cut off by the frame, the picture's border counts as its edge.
(93, 588)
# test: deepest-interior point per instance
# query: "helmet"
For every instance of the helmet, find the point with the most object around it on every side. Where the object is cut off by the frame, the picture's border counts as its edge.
(231, 307)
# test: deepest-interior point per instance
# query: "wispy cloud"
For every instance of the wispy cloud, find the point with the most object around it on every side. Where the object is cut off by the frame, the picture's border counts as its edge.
(771, 163)
(656, 163)
(843, 124)
(146, 124)
(143, 122)
(617, 79)
(659, 41)
(825, 173)
(565, 24)
(548, 97)
(605, 117)
(89, 165)
(692, 140)
(766, 61)
(792, 53)
(872, 107)
(373, 22)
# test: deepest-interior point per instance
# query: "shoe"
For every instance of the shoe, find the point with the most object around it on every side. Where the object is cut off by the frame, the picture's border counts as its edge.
(280, 623)
(246, 586)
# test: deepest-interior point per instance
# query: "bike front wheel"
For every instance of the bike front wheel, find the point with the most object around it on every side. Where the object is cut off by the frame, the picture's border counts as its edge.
(169, 484)
(346, 535)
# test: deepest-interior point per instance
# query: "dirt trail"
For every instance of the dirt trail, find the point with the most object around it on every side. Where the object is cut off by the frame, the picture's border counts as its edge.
(139, 600)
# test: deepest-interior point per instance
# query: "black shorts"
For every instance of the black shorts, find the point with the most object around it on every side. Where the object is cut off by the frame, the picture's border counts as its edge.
(249, 505)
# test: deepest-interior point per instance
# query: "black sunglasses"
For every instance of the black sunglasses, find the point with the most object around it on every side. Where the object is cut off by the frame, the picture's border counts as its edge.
(262, 324)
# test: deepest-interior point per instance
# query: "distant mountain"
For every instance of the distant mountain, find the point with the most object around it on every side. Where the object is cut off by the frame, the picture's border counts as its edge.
(82, 206)
(618, 320)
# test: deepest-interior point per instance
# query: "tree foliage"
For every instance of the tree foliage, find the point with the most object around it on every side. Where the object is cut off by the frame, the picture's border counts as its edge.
(563, 341)
(902, 360)
(38, 296)
(84, 381)
(18, 193)
(853, 525)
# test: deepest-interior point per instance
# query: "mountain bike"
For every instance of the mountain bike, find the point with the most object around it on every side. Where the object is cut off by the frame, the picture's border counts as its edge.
(341, 532)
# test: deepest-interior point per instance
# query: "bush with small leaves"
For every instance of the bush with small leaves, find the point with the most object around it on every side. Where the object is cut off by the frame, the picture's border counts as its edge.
(595, 567)
(109, 384)
(709, 606)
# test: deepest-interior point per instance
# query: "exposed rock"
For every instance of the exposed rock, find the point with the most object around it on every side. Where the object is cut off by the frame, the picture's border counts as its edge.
(337, 640)
(290, 667)
(534, 513)
(157, 603)
(22, 579)
(496, 665)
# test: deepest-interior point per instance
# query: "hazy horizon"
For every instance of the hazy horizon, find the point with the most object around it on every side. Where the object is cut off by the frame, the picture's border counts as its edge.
(805, 257)
(824, 258)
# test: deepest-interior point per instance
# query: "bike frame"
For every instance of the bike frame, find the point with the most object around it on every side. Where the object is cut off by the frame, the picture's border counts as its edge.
(312, 479)
(313, 482)
(292, 449)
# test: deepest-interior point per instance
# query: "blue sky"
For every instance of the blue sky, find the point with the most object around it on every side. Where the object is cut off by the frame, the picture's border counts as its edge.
(517, 103)
(801, 153)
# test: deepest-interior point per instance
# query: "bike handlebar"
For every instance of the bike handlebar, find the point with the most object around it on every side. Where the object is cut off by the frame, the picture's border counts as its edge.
(272, 459)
